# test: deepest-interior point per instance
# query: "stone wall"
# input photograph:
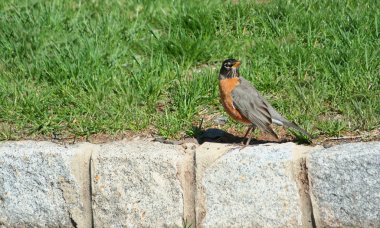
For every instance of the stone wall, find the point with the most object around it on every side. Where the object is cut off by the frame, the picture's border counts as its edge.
(149, 184)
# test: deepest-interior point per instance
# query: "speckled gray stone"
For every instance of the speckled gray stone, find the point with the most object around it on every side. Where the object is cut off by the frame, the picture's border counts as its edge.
(250, 187)
(148, 184)
(135, 184)
(345, 185)
(40, 185)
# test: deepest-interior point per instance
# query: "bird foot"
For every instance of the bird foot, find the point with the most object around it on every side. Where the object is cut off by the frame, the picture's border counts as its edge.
(245, 142)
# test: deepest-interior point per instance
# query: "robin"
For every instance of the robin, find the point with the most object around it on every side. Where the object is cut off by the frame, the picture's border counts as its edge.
(243, 102)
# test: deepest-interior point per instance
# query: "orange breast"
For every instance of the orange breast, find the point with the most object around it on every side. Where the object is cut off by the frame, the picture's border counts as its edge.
(225, 87)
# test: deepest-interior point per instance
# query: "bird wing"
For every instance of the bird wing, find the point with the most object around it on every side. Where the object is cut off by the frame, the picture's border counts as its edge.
(252, 105)
(257, 109)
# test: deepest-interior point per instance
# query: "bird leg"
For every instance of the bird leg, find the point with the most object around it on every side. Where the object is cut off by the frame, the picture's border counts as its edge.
(250, 128)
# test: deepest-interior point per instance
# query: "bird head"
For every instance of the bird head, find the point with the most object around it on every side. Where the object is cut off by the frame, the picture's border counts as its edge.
(230, 69)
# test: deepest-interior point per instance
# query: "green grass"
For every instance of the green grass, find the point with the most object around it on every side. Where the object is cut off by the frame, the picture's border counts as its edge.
(86, 67)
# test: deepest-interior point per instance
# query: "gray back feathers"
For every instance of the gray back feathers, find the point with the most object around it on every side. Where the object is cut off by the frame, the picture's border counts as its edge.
(257, 109)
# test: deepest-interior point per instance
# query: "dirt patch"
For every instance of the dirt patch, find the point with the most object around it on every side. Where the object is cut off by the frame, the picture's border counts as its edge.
(230, 135)
(349, 137)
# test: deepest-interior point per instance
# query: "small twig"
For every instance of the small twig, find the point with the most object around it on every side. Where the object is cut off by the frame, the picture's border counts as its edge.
(346, 137)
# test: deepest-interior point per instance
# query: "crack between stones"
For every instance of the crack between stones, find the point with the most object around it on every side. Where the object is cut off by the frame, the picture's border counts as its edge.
(312, 217)
(195, 187)
(302, 179)
(73, 223)
(90, 190)
(186, 175)
(313, 224)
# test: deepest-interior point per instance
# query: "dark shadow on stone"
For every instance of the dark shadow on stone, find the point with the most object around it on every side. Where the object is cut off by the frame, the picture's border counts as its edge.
(220, 136)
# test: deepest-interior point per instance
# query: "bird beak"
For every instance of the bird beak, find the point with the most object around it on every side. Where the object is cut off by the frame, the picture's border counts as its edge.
(236, 65)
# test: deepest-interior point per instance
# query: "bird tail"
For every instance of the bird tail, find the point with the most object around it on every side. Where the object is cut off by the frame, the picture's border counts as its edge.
(296, 127)
(287, 123)
(278, 119)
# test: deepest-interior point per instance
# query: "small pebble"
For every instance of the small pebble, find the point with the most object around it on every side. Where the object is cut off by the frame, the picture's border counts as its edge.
(221, 120)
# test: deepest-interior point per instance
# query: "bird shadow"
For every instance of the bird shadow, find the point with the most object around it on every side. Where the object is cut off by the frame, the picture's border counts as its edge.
(220, 136)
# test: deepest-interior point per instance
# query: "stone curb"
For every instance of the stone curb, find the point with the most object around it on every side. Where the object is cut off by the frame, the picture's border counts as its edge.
(136, 185)
(345, 185)
(44, 184)
(255, 186)
(145, 184)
